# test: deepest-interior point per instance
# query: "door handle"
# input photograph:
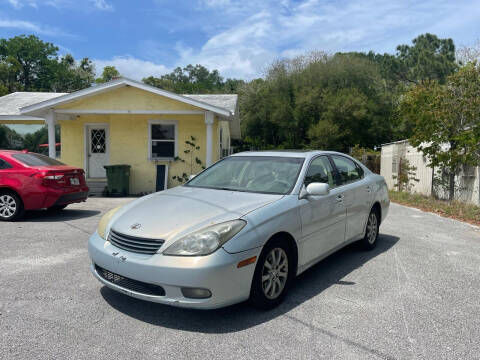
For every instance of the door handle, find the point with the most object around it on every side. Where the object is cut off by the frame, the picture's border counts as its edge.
(339, 198)
(368, 189)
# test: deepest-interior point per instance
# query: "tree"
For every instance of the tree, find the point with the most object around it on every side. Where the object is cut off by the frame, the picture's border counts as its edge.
(406, 174)
(108, 74)
(194, 80)
(319, 101)
(10, 139)
(447, 124)
(429, 58)
(40, 136)
(28, 60)
(29, 64)
(70, 76)
(467, 54)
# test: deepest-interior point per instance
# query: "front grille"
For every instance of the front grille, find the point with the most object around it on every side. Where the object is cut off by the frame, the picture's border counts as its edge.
(134, 244)
(130, 284)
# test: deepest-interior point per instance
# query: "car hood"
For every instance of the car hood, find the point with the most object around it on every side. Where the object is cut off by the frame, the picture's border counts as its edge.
(176, 212)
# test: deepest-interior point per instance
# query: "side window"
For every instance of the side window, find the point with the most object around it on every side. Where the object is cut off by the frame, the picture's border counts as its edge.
(348, 171)
(4, 165)
(320, 170)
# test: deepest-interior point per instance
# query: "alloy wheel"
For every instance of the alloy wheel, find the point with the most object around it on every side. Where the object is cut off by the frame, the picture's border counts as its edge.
(275, 273)
(372, 228)
(8, 206)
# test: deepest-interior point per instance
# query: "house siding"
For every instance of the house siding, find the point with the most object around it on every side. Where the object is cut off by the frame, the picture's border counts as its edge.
(128, 134)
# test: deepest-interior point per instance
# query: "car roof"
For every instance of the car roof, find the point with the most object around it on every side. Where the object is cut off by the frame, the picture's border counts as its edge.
(287, 153)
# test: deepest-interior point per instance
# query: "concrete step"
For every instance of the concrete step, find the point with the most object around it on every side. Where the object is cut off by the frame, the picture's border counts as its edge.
(96, 187)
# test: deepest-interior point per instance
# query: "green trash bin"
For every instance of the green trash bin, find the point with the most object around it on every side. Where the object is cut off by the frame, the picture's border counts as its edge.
(118, 180)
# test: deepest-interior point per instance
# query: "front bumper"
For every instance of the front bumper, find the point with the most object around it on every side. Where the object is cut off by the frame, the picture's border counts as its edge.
(217, 272)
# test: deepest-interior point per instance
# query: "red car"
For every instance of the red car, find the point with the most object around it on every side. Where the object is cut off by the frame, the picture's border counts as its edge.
(31, 181)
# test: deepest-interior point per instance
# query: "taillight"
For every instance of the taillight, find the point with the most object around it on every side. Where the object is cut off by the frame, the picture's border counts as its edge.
(51, 179)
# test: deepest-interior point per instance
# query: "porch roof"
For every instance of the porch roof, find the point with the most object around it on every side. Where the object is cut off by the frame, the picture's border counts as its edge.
(40, 107)
(10, 105)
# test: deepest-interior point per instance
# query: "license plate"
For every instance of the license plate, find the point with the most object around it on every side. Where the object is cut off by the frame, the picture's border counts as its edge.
(74, 181)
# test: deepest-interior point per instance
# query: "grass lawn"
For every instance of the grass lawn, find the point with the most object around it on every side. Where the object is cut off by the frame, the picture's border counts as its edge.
(452, 209)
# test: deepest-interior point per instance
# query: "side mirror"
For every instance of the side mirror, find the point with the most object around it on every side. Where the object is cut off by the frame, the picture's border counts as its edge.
(191, 176)
(315, 189)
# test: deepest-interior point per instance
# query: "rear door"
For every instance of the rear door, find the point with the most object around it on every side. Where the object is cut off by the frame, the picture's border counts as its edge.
(5, 171)
(357, 194)
(323, 217)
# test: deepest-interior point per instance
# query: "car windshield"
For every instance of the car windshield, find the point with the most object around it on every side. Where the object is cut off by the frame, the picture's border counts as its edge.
(33, 159)
(261, 174)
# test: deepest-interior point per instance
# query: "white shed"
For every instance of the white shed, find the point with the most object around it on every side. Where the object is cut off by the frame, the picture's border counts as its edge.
(467, 180)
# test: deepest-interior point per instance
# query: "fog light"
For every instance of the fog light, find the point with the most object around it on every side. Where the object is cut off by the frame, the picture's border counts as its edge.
(196, 293)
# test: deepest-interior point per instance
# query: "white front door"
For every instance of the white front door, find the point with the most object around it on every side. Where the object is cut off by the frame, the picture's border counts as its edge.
(97, 150)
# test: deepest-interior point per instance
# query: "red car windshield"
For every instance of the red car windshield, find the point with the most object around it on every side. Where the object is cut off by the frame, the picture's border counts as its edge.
(32, 159)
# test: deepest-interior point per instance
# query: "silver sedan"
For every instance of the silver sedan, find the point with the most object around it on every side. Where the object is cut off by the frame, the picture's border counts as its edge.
(242, 229)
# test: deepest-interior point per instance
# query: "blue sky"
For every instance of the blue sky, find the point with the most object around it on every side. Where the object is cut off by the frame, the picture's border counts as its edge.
(239, 38)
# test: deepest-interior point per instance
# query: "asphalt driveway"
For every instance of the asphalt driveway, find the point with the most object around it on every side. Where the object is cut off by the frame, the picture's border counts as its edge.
(416, 296)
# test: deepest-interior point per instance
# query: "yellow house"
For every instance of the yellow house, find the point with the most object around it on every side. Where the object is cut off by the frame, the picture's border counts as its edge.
(128, 122)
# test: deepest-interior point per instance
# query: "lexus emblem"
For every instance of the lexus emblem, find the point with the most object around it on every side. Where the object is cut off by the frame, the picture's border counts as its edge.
(135, 226)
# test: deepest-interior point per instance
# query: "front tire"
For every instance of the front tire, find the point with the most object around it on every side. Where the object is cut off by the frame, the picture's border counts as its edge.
(11, 206)
(273, 274)
(371, 232)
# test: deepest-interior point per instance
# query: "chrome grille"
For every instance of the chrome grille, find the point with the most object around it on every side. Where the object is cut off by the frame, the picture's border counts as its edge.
(135, 244)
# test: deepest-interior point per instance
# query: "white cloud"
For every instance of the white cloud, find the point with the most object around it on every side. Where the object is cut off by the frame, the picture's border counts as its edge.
(29, 26)
(131, 67)
(254, 33)
(18, 4)
(102, 5)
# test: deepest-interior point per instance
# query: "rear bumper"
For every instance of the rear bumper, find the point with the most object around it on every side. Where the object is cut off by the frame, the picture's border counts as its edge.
(217, 272)
(72, 198)
(56, 197)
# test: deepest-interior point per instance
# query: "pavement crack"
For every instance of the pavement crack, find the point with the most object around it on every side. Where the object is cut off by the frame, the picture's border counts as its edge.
(76, 227)
(347, 341)
(402, 306)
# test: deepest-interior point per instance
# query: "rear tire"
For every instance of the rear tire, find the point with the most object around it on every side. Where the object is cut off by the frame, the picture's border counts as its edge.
(56, 208)
(371, 232)
(11, 206)
(273, 275)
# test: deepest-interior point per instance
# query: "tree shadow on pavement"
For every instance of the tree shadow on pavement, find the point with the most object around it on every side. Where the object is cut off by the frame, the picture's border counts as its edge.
(311, 283)
(57, 216)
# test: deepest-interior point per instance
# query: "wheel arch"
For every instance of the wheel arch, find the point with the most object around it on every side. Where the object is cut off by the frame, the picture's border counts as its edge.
(284, 235)
(378, 208)
(11, 190)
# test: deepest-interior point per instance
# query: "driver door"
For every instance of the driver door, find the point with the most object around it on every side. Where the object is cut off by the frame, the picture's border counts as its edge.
(323, 218)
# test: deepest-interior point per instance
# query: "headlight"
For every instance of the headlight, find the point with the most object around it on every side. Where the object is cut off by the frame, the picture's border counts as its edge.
(205, 241)
(102, 225)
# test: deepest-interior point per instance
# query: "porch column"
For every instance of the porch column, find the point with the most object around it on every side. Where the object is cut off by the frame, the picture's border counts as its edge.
(50, 119)
(209, 123)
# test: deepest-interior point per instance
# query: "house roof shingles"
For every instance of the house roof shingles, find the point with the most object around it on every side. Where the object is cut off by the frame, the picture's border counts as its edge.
(10, 104)
(225, 101)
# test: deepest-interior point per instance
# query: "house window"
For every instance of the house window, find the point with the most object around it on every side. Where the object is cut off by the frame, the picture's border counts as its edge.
(163, 137)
